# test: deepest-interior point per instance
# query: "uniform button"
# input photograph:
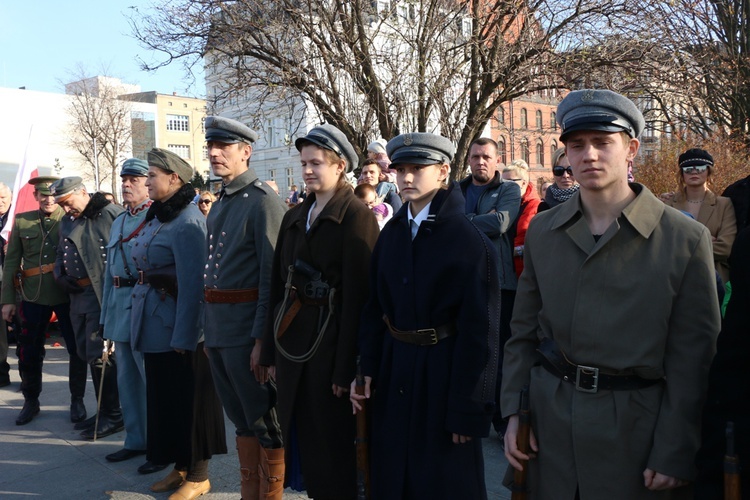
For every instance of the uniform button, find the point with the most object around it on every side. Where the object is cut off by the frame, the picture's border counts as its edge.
(215, 277)
(210, 257)
(218, 256)
(45, 256)
(210, 236)
(223, 233)
(101, 248)
(205, 276)
(221, 245)
(401, 390)
(210, 247)
(206, 266)
(244, 195)
(217, 266)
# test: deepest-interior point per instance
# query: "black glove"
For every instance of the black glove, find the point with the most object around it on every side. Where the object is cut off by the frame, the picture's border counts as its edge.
(68, 284)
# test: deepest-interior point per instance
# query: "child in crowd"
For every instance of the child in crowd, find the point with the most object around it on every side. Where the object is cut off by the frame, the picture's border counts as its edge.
(367, 195)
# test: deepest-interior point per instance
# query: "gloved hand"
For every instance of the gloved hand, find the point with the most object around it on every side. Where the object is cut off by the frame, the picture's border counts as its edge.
(68, 284)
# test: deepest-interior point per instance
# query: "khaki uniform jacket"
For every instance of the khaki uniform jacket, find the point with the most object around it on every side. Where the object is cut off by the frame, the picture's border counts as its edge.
(717, 214)
(31, 246)
(642, 300)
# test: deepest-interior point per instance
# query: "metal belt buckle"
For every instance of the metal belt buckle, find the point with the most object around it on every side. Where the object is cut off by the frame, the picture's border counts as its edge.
(432, 333)
(141, 277)
(116, 281)
(587, 371)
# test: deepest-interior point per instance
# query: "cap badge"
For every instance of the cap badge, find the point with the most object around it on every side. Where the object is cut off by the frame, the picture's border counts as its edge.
(588, 95)
(408, 140)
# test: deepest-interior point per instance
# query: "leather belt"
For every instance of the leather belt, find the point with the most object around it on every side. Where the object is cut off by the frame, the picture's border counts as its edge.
(83, 281)
(230, 296)
(119, 282)
(587, 378)
(424, 336)
(35, 271)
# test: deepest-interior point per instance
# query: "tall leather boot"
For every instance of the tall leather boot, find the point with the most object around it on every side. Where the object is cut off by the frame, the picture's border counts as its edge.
(77, 385)
(249, 455)
(271, 470)
(110, 414)
(31, 386)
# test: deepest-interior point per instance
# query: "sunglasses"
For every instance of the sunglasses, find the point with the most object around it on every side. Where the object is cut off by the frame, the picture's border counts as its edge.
(697, 169)
(205, 202)
(558, 171)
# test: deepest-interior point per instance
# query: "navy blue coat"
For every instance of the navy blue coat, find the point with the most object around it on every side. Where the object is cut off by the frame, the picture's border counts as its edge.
(423, 394)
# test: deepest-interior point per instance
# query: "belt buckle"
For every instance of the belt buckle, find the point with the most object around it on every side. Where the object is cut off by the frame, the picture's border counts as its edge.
(140, 277)
(587, 371)
(432, 335)
(116, 281)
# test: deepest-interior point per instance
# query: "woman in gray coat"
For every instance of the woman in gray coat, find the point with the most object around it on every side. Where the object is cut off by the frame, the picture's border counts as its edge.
(184, 417)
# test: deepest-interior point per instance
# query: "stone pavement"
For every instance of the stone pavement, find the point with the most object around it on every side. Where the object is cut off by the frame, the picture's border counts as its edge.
(47, 459)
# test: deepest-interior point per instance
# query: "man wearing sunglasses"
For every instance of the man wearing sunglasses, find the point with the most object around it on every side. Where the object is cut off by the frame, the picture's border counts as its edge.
(615, 324)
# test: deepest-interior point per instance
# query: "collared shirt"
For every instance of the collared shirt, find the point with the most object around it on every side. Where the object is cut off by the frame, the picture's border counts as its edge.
(418, 219)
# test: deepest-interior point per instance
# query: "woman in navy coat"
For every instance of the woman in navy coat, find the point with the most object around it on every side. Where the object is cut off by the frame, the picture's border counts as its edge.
(429, 335)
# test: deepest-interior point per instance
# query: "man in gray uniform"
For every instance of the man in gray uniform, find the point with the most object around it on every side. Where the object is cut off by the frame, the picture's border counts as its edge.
(119, 278)
(79, 270)
(242, 227)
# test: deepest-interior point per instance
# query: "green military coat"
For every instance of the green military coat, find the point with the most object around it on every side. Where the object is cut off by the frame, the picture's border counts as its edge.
(642, 300)
(33, 242)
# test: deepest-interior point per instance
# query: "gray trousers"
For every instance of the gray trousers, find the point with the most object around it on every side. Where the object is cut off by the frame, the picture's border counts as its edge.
(250, 406)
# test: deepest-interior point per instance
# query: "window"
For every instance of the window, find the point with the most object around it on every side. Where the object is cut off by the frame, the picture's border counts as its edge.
(466, 27)
(270, 135)
(538, 119)
(501, 150)
(402, 12)
(178, 123)
(540, 149)
(501, 114)
(181, 150)
(383, 8)
(524, 119)
(205, 152)
(272, 174)
(525, 150)
(553, 120)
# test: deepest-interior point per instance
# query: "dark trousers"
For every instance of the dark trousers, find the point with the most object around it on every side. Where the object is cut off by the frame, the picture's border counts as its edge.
(4, 366)
(30, 342)
(507, 299)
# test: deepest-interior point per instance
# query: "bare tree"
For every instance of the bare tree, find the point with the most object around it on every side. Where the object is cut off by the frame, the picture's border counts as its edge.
(101, 128)
(377, 68)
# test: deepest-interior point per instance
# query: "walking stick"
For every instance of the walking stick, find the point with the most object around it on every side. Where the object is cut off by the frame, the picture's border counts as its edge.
(363, 466)
(732, 489)
(519, 491)
(105, 362)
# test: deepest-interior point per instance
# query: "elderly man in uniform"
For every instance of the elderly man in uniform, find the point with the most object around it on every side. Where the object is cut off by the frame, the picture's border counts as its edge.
(614, 326)
(79, 270)
(242, 226)
(28, 263)
(119, 278)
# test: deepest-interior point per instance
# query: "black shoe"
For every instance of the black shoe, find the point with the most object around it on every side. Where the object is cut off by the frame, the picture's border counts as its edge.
(150, 467)
(106, 427)
(124, 454)
(28, 412)
(86, 424)
(77, 410)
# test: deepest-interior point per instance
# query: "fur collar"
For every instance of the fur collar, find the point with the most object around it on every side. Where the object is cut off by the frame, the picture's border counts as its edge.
(95, 204)
(170, 209)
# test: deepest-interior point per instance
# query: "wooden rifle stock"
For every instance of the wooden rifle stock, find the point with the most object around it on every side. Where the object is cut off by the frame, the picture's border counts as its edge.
(363, 465)
(732, 489)
(519, 490)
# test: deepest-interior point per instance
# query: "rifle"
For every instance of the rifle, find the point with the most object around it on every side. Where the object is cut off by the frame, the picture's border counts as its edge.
(363, 466)
(519, 490)
(731, 468)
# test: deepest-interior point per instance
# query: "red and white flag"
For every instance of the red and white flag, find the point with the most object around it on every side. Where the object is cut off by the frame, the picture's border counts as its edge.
(23, 193)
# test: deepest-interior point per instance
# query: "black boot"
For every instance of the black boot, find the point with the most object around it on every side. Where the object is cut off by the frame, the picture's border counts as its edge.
(110, 414)
(77, 384)
(28, 412)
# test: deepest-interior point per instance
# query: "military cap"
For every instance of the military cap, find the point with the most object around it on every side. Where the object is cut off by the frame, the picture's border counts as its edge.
(329, 137)
(61, 189)
(228, 131)
(134, 166)
(601, 110)
(420, 148)
(696, 157)
(167, 160)
(42, 184)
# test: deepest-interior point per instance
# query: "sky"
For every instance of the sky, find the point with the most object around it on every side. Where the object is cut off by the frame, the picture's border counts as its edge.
(43, 42)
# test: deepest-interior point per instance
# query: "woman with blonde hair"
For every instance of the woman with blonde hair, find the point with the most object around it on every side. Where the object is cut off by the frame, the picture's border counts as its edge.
(564, 185)
(205, 201)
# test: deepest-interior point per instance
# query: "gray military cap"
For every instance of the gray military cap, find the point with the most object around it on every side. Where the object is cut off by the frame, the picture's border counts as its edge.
(167, 160)
(135, 167)
(228, 131)
(329, 137)
(61, 189)
(420, 148)
(601, 110)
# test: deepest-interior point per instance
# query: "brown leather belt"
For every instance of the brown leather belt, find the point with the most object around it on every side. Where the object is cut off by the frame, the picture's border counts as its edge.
(36, 271)
(423, 336)
(230, 296)
(83, 282)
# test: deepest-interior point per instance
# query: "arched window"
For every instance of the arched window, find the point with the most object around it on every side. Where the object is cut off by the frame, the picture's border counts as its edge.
(540, 153)
(524, 119)
(538, 119)
(501, 114)
(525, 150)
(553, 120)
(501, 152)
